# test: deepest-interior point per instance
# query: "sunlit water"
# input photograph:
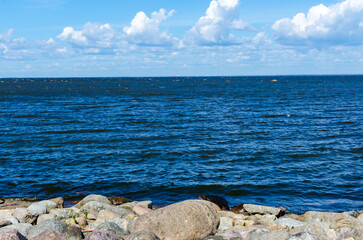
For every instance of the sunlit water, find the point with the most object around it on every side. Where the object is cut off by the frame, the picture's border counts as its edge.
(294, 142)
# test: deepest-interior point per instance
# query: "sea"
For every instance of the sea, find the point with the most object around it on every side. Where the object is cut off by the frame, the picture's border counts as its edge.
(291, 141)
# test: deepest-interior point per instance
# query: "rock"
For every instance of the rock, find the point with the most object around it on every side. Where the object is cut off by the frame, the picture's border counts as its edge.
(44, 217)
(70, 221)
(141, 210)
(143, 235)
(59, 201)
(49, 234)
(290, 223)
(238, 209)
(73, 233)
(59, 214)
(23, 228)
(227, 214)
(10, 218)
(352, 213)
(360, 218)
(37, 209)
(122, 223)
(24, 216)
(102, 235)
(92, 215)
(255, 218)
(105, 215)
(12, 235)
(93, 198)
(131, 205)
(258, 209)
(119, 200)
(303, 236)
(4, 222)
(98, 206)
(47, 224)
(356, 233)
(6, 212)
(244, 223)
(113, 227)
(219, 201)
(49, 204)
(334, 221)
(192, 219)
(225, 223)
(267, 219)
(81, 221)
(2, 200)
(232, 234)
(261, 234)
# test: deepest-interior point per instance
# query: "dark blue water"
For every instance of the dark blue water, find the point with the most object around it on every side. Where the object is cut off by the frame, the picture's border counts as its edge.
(295, 142)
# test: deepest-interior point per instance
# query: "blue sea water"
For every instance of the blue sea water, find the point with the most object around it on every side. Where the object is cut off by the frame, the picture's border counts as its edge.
(292, 141)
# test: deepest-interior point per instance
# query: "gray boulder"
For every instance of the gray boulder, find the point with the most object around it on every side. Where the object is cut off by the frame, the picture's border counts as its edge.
(37, 209)
(290, 223)
(94, 198)
(192, 219)
(49, 234)
(334, 221)
(12, 235)
(73, 233)
(102, 235)
(49, 204)
(11, 219)
(122, 223)
(261, 234)
(303, 236)
(258, 209)
(23, 228)
(143, 235)
(47, 224)
(4, 223)
(44, 217)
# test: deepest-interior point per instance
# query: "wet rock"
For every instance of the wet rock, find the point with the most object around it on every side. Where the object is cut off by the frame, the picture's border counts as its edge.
(192, 219)
(238, 209)
(47, 224)
(290, 223)
(37, 209)
(12, 235)
(334, 221)
(261, 234)
(49, 204)
(141, 210)
(113, 227)
(4, 223)
(258, 209)
(23, 228)
(49, 234)
(119, 200)
(24, 216)
(102, 235)
(303, 236)
(98, 206)
(11, 219)
(44, 217)
(143, 235)
(93, 198)
(219, 201)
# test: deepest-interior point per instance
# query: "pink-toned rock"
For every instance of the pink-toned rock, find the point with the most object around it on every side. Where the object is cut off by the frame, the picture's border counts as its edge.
(188, 220)
(102, 235)
(141, 210)
(49, 234)
(12, 235)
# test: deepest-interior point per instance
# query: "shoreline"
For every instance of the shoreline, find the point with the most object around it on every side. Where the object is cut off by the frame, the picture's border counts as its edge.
(207, 218)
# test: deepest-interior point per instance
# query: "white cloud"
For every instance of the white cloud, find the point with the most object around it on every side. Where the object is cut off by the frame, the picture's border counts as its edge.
(214, 28)
(92, 35)
(337, 24)
(145, 31)
(13, 48)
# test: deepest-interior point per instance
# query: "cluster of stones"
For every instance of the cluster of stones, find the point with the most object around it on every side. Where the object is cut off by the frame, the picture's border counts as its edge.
(99, 218)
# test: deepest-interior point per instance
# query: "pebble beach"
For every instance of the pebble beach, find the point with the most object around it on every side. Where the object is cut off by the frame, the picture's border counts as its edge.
(98, 217)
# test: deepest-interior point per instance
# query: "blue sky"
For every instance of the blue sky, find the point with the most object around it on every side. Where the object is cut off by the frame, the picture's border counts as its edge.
(64, 38)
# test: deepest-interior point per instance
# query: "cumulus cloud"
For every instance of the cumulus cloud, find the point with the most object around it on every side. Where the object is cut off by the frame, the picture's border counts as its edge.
(13, 48)
(340, 23)
(146, 31)
(214, 28)
(91, 36)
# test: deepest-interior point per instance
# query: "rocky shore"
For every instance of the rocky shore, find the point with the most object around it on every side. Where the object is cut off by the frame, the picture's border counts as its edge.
(98, 218)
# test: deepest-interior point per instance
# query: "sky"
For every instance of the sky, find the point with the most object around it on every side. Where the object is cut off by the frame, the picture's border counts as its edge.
(117, 38)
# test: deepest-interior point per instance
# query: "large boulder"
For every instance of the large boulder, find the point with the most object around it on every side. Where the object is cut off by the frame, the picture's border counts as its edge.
(261, 234)
(49, 234)
(11, 219)
(113, 227)
(334, 221)
(143, 235)
(102, 235)
(49, 204)
(258, 209)
(24, 216)
(12, 235)
(23, 228)
(37, 209)
(47, 224)
(303, 236)
(94, 198)
(188, 220)
(290, 223)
